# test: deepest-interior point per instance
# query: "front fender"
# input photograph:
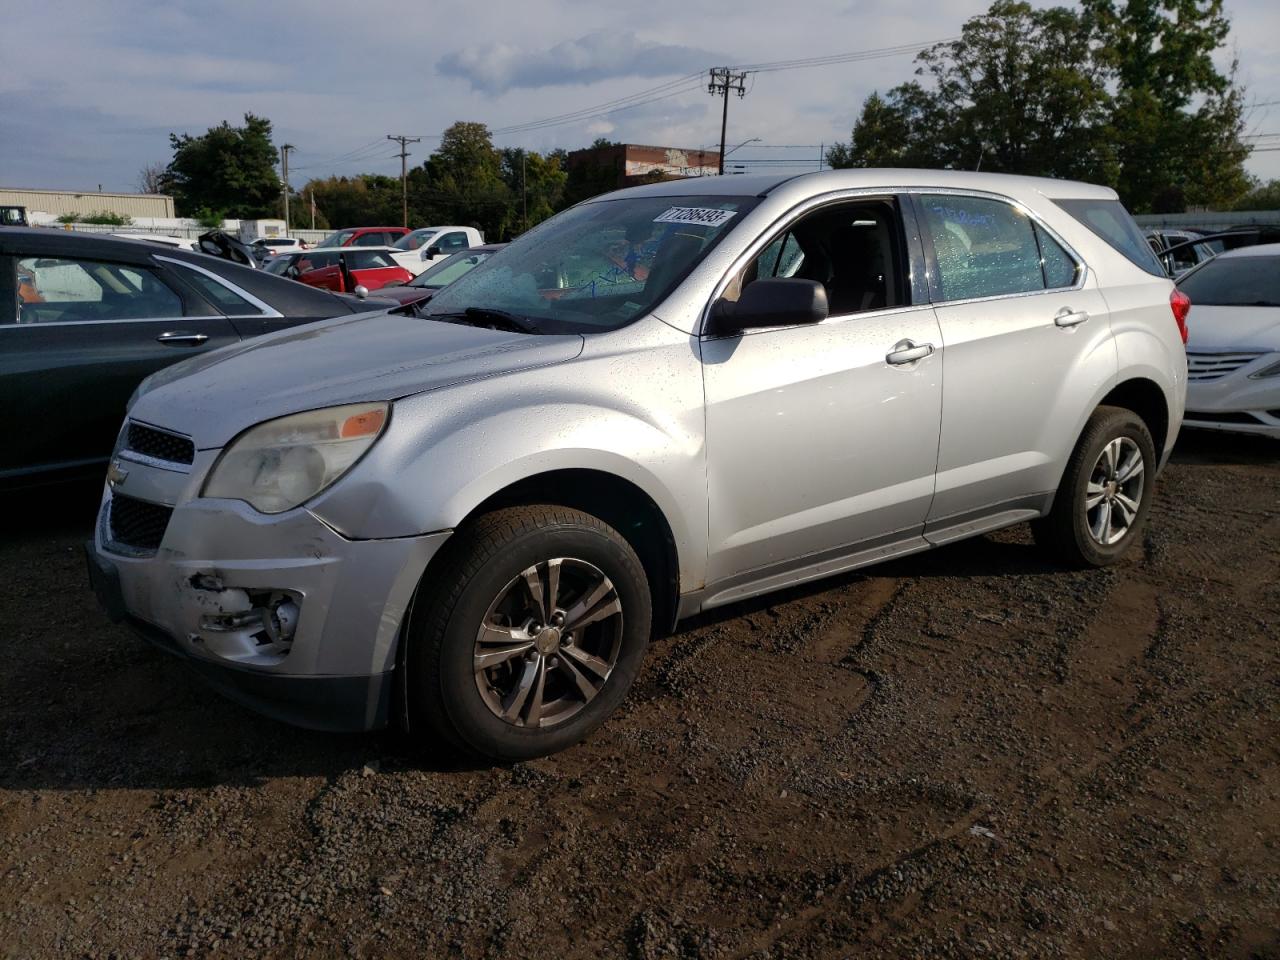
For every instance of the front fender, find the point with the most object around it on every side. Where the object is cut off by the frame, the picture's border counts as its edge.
(636, 414)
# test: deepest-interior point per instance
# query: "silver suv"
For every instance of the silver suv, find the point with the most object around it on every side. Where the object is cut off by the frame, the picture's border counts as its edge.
(470, 520)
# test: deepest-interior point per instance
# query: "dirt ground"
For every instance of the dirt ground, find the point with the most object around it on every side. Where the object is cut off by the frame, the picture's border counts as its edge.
(960, 754)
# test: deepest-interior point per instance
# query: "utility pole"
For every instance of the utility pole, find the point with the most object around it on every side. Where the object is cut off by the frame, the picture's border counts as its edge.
(404, 172)
(524, 194)
(284, 171)
(311, 196)
(722, 81)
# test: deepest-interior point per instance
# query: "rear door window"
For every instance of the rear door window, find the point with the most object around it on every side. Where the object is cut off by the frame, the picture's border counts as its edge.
(983, 247)
(219, 294)
(1111, 221)
(1060, 269)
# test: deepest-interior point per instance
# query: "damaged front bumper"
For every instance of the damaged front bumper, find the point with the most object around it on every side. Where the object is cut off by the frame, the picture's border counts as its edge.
(281, 612)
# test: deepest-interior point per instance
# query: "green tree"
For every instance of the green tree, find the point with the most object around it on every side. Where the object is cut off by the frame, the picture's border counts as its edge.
(1124, 92)
(535, 183)
(461, 183)
(230, 169)
(1158, 55)
(1018, 92)
(365, 200)
(1262, 196)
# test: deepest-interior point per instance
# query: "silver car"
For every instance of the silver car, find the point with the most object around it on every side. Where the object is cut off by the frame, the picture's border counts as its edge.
(660, 401)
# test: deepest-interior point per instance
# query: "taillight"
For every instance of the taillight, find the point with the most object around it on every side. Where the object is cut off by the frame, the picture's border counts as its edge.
(1180, 304)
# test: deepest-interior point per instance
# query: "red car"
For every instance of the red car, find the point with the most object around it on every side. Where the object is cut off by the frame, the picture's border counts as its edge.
(364, 237)
(343, 270)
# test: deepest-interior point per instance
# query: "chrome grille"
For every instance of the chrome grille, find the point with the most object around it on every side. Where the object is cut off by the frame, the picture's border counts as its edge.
(159, 444)
(1203, 367)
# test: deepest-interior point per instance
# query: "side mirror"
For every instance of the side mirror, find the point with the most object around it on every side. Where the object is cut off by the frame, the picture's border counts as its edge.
(361, 291)
(774, 302)
(431, 251)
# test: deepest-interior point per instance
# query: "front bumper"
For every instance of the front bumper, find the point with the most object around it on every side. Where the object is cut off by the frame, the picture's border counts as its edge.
(1237, 403)
(215, 564)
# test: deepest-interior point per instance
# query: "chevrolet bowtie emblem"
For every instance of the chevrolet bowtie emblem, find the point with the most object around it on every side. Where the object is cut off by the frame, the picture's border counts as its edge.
(116, 475)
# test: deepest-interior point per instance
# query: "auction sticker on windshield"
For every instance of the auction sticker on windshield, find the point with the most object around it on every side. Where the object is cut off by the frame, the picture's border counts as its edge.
(706, 216)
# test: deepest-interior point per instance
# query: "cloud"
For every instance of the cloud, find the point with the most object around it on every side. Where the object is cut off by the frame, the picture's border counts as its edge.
(498, 67)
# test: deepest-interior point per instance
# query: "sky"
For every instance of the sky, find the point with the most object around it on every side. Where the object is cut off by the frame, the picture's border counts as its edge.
(94, 89)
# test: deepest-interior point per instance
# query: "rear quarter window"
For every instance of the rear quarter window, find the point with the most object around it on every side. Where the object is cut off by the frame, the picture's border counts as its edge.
(1109, 220)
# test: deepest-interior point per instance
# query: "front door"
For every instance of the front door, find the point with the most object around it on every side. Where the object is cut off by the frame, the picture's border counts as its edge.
(822, 440)
(75, 341)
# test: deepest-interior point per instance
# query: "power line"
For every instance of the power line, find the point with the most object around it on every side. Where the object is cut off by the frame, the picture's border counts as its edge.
(683, 85)
(835, 58)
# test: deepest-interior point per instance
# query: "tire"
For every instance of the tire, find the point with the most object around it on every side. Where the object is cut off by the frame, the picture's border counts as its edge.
(1071, 531)
(481, 580)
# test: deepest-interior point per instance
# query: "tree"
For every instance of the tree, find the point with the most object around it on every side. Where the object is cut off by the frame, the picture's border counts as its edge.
(1124, 93)
(228, 169)
(366, 200)
(1159, 56)
(536, 185)
(1262, 196)
(151, 178)
(1018, 92)
(461, 183)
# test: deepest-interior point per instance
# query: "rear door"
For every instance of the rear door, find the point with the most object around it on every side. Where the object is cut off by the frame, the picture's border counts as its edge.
(75, 340)
(1028, 344)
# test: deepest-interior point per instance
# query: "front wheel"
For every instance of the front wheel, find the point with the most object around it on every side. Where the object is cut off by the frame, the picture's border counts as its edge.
(1102, 503)
(530, 633)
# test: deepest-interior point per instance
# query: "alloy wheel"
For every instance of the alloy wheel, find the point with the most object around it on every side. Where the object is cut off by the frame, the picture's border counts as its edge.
(548, 642)
(1113, 495)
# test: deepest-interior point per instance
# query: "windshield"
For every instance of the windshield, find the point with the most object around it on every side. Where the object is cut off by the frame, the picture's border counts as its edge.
(446, 271)
(1235, 282)
(597, 266)
(415, 239)
(338, 239)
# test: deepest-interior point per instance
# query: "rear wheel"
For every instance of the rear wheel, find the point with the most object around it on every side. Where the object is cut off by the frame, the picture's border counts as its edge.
(1102, 503)
(529, 634)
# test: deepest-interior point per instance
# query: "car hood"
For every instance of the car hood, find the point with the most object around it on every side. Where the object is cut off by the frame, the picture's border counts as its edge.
(404, 294)
(1219, 329)
(368, 357)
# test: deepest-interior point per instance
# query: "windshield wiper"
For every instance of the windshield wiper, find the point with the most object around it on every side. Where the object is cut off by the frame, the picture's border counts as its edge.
(489, 317)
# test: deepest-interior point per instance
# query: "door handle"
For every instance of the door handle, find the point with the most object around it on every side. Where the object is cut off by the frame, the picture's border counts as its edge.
(1066, 317)
(908, 351)
(180, 339)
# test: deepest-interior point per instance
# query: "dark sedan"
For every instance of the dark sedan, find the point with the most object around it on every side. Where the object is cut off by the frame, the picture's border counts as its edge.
(84, 317)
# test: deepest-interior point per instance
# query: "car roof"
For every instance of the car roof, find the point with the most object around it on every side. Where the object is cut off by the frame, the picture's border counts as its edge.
(762, 185)
(286, 296)
(1257, 250)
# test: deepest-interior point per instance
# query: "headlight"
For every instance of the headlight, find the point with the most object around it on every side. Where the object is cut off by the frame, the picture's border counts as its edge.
(1271, 371)
(282, 463)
